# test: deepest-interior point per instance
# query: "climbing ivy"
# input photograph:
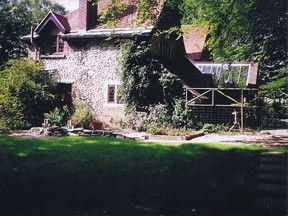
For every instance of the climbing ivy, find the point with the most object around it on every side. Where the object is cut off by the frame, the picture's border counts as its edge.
(110, 15)
(140, 74)
(147, 86)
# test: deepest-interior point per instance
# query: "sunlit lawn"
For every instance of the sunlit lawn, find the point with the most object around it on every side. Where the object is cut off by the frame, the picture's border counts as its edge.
(105, 176)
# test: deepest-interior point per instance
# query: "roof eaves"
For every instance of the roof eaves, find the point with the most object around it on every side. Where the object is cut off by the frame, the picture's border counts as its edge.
(28, 37)
(59, 22)
(48, 18)
(102, 33)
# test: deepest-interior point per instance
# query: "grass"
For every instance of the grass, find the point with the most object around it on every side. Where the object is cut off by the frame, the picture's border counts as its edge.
(105, 176)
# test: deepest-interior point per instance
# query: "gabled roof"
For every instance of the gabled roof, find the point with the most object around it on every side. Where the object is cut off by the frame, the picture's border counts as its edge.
(61, 22)
(194, 40)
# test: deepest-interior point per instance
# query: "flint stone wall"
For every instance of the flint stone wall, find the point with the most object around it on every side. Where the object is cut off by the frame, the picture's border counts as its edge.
(89, 68)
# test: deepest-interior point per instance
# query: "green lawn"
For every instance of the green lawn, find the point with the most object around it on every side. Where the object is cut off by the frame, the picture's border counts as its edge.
(105, 176)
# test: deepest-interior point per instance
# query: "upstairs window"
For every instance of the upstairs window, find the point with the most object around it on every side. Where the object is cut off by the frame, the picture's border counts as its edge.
(53, 45)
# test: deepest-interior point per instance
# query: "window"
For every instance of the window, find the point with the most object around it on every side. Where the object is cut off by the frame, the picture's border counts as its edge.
(113, 97)
(53, 45)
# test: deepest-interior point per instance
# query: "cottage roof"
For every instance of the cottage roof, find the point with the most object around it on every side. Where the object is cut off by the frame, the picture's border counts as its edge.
(126, 24)
(116, 32)
(194, 40)
(60, 21)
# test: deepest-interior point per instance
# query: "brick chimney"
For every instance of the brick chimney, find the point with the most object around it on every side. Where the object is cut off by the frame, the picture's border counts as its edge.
(87, 14)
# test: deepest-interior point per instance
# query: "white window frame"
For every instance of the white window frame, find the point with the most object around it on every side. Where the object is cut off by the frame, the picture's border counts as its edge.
(106, 94)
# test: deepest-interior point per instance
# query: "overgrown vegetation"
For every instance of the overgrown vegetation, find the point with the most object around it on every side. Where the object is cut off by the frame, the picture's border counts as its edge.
(82, 115)
(58, 116)
(110, 15)
(148, 87)
(26, 93)
(218, 128)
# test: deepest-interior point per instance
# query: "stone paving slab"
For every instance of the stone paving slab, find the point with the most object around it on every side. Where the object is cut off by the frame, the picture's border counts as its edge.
(273, 177)
(274, 168)
(273, 205)
(279, 154)
(279, 189)
(269, 159)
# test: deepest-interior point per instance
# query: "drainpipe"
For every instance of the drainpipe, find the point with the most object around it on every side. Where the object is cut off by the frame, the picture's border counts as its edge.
(34, 44)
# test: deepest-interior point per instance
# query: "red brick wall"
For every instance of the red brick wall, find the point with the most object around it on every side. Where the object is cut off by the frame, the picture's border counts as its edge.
(87, 14)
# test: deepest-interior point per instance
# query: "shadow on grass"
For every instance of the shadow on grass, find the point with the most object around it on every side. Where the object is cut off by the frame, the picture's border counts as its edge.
(104, 176)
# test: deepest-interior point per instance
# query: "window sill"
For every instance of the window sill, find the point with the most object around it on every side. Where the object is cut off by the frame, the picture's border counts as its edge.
(113, 105)
(53, 56)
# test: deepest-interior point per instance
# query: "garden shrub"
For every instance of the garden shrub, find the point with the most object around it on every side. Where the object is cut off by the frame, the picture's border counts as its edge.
(58, 116)
(159, 115)
(211, 128)
(153, 129)
(82, 116)
(26, 93)
(179, 116)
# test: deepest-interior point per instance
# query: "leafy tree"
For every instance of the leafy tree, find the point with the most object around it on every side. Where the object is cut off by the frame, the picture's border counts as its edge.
(14, 22)
(243, 30)
(39, 8)
(278, 87)
(25, 93)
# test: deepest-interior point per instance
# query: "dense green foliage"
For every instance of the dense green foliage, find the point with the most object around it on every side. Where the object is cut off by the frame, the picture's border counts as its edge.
(278, 87)
(147, 86)
(14, 22)
(140, 74)
(40, 8)
(25, 93)
(105, 176)
(82, 115)
(244, 30)
(58, 116)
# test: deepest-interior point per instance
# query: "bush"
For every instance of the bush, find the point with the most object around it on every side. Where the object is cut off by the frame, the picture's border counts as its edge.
(25, 94)
(153, 129)
(211, 128)
(178, 131)
(13, 124)
(58, 116)
(179, 117)
(82, 116)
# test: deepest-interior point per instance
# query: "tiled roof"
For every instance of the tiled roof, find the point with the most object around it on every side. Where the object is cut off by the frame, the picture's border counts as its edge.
(104, 33)
(194, 40)
(60, 21)
(128, 19)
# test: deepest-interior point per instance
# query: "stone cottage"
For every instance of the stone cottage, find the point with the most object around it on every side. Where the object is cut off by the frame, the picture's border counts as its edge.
(83, 52)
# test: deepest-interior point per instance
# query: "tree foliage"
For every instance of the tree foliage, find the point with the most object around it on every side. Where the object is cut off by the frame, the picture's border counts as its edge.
(278, 87)
(14, 22)
(243, 30)
(39, 9)
(25, 94)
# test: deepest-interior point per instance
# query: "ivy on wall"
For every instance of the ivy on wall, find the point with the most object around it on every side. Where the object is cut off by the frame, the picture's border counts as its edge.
(140, 74)
(110, 15)
(146, 84)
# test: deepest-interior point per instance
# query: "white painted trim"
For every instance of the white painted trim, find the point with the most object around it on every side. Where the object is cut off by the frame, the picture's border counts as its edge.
(105, 94)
